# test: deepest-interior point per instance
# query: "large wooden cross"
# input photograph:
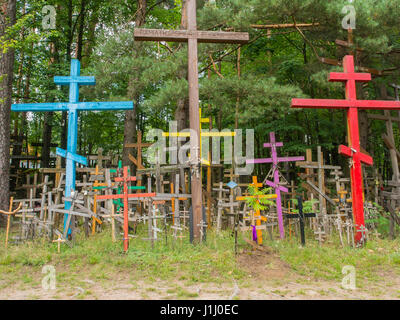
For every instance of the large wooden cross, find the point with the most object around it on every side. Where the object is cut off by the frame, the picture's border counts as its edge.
(351, 104)
(192, 36)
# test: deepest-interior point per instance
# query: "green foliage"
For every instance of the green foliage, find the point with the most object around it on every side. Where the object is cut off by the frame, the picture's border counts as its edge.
(307, 206)
(258, 203)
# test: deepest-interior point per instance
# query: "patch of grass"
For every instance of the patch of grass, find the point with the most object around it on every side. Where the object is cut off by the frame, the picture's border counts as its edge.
(182, 293)
(327, 261)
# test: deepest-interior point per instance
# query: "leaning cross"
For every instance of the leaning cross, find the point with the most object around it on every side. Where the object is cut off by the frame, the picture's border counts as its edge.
(73, 107)
(353, 151)
(275, 160)
(192, 36)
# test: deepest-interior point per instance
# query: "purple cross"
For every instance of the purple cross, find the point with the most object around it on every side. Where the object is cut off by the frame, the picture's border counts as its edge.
(275, 160)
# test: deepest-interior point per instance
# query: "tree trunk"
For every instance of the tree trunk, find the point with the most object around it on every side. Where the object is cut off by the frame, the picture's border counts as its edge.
(182, 108)
(130, 116)
(48, 117)
(7, 18)
(81, 30)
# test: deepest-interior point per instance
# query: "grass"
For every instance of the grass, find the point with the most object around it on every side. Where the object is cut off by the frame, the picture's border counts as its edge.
(326, 261)
(101, 261)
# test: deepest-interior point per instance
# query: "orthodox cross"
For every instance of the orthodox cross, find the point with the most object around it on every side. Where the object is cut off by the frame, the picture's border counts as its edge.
(353, 151)
(275, 160)
(192, 37)
(139, 145)
(125, 179)
(73, 107)
(301, 216)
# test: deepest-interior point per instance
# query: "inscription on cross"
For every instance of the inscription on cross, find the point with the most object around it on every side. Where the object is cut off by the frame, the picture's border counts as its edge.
(351, 104)
(192, 36)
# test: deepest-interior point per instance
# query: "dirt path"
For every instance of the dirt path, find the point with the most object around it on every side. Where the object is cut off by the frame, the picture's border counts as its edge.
(268, 278)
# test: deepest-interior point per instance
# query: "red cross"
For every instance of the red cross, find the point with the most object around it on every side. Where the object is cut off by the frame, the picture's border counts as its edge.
(126, 179)
(353, 151)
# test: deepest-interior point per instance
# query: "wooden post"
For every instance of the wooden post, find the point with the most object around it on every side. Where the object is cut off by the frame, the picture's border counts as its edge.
(192, 37)
(9, 213)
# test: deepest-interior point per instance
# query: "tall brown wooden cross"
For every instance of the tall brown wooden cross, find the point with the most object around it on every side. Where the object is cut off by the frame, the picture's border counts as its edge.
(192, 37)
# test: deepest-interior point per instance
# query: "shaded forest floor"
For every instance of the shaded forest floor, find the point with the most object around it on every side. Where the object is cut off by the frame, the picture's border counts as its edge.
(98, 269)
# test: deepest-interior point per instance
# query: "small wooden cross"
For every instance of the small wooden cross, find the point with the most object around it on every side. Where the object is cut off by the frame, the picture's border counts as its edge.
(59, 240)
(342, 197)
(139, 145)
(99, 158)
(301, 216)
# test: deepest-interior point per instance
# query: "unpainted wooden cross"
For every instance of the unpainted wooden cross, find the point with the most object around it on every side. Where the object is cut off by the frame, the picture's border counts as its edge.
(192, 36)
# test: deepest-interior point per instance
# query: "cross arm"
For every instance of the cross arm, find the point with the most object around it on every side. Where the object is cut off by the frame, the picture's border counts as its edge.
(67, 80)
(342, 77)
(184, 35)
(71, 156)
(269, 160)
(343, 104)
(65, 106)
(349, 152)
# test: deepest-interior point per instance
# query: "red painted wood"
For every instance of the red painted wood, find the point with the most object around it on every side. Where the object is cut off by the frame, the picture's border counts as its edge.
(353, 151)
(125, 179)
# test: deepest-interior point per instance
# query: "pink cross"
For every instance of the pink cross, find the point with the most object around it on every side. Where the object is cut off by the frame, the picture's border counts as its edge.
(275, 160)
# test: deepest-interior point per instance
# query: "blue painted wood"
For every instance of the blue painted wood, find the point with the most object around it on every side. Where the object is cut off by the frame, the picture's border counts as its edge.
(73, 107)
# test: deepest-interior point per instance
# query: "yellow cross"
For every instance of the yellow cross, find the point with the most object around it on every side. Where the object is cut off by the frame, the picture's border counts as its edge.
(202, 134)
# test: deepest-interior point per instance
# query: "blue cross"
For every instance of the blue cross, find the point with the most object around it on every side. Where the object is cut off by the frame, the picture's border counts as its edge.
(73, 107)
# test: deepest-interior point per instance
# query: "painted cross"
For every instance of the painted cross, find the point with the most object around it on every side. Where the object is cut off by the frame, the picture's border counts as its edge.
(257, 215)
(192, 36)
(73, 107)
(275, 160)
(351, 104)
(301, 216)
(125, 179)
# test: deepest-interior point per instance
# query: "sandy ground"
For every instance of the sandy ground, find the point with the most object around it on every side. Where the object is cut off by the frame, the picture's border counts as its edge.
(268, 279)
